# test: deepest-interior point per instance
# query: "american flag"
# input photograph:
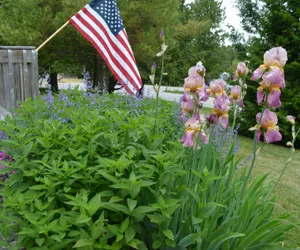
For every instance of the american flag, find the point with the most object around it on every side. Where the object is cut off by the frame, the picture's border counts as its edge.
(100, 23)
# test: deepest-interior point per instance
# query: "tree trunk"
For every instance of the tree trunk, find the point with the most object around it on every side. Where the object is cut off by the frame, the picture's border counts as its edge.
(53, 82)
(100, 73)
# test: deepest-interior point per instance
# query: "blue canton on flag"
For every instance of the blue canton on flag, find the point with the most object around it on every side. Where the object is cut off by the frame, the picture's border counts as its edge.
(109, 11)
(100, 23)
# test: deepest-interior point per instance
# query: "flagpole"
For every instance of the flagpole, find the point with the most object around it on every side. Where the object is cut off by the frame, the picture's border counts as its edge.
(54, 34)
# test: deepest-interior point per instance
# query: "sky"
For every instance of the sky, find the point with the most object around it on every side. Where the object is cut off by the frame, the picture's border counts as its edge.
(231, 12)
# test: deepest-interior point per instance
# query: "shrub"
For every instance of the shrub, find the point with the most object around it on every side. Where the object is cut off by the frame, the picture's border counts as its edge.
(90, 174)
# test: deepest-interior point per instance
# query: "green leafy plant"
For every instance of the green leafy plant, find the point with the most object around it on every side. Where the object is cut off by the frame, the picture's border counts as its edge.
(85, 171)
(91, 174)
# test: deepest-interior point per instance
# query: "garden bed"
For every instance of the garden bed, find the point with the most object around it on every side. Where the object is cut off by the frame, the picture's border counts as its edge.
(91, 174)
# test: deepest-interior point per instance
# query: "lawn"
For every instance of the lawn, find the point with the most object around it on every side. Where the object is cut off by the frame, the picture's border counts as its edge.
(174, 91)
(71, 80)
(271, 160)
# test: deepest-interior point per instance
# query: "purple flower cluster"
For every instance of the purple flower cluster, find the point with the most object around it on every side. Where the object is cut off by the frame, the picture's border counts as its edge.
(245, 162)
(4, 158)
(56, 110)
(49, 98)
(87, 81)
(3, 136)
(224, 139)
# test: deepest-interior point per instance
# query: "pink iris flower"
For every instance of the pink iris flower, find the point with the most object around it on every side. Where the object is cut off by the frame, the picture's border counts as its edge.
(186, 105)
(241, 70)
(235, 95)
(192, 130)
(275, 57)
(217, 87)
(194, 81)
(219, 114)
(272, 82)
(268, 122)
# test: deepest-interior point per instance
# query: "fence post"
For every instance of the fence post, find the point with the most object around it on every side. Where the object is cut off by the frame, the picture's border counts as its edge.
(18, 75)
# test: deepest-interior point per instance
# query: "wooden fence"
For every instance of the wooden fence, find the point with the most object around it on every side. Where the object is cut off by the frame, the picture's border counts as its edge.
(18, 75)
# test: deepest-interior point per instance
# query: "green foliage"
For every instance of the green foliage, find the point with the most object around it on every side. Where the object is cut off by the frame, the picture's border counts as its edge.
(85, 166)
(90, 174)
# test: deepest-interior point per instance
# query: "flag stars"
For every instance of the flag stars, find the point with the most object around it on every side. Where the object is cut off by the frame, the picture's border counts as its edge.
(109, 11)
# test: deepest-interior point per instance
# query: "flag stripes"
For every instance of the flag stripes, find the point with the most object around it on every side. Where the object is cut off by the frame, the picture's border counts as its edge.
(114, 48)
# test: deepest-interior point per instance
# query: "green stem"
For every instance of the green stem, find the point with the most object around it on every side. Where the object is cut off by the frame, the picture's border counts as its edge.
(234, 116)
(292, 151)
(254, 151)
(157, 93)
(156, 113)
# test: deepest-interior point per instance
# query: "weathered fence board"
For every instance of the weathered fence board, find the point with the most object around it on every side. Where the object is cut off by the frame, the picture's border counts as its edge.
(18, 75)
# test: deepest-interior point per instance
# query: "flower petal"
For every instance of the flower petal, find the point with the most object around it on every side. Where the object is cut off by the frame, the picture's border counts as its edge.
(273, 135)
(274, 77)
(223, 120)
(258, 135)
(213, 118)
(258, 73)
(189, 142)
(183, 137)
(269, 119)
(274, 99)
(260, 96)
(204, 138)
(202, 94)
(193, 71)
(241, 103)
(275, 57)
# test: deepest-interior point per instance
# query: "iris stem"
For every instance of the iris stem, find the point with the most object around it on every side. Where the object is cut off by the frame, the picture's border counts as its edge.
(234, 116)
(157, 92)
(254, 149)
(292, 151)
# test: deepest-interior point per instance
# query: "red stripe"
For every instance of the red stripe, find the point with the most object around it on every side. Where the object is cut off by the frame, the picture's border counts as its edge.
(111, 42)
(102, 55)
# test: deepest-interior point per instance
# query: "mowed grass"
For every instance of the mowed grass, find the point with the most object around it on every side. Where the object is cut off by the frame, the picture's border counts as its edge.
(271, 160)
(71, 80)
(174, 92)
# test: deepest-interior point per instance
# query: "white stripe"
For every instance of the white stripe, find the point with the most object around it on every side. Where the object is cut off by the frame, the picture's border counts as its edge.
(112, 37)
(98, 43)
